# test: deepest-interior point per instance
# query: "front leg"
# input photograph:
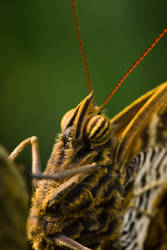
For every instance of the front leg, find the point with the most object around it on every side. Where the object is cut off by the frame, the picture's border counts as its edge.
(73, 208)
(70, 195)
(78, 193)
(53, 226)
(65, 242)
(36, 163)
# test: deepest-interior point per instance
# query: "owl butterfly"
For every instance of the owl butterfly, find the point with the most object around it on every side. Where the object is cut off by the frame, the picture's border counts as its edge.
(105, 185)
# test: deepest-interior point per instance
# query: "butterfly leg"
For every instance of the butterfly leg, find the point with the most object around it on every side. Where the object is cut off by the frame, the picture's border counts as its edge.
(66, 242)
(61, 193)
(72, 197)
(36, 164)
(65, 202)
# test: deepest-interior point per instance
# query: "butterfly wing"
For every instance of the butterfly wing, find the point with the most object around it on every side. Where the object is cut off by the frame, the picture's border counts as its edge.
(140, 127)
(122, 119)
(144, 225)
(139, 131)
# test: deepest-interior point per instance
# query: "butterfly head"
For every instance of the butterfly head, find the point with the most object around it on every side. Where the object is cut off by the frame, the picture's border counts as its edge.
(86, 123)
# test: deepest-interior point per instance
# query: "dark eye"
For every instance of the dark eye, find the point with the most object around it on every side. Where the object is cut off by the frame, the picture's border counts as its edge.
(98, 130)
(66, 134)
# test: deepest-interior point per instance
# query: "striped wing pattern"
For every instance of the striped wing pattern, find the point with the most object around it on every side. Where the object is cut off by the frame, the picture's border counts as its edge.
(149, 185)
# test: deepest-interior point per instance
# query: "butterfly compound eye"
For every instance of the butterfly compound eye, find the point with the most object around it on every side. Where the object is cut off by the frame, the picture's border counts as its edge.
(98, 130)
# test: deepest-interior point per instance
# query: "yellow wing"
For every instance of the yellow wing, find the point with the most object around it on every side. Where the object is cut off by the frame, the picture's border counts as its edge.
(132, 125)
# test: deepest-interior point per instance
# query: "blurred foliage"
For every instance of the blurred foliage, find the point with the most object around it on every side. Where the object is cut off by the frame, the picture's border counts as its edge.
(14, 205)
(41, 72)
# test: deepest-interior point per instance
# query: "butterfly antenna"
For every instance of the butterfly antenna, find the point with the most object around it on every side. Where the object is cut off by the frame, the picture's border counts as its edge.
(80, 44)
(133, 67)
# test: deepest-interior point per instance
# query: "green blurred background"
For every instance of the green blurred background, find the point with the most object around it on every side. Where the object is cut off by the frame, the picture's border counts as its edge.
(41, 72)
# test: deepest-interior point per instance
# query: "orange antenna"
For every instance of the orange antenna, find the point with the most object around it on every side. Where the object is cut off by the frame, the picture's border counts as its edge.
(133, 67)
(80, 44)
